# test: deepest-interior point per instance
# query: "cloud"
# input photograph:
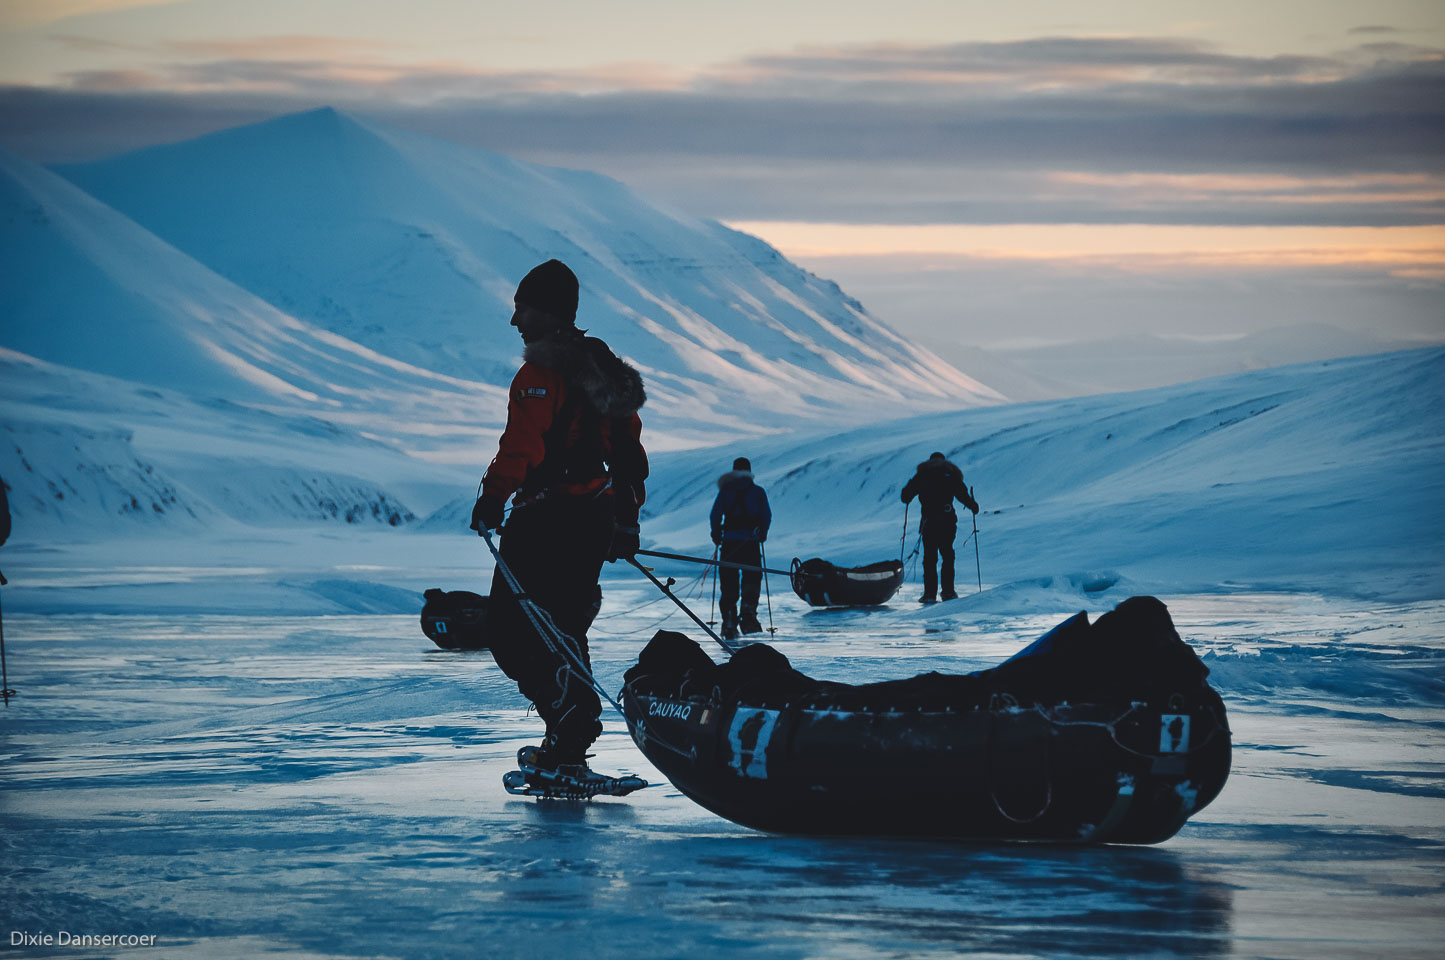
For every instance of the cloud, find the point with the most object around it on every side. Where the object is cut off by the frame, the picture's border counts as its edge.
(21, 14)
(1039, 64)
(1055, 129)
(281, 47)
(1000, 303)
(1142, 247)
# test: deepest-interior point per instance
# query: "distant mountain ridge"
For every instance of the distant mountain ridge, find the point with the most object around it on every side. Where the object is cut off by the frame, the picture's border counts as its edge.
(413, 246)
(1144, 362)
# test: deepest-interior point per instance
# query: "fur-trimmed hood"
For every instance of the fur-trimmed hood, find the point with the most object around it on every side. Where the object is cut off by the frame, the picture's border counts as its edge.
(612, 385)
(930, 465)
(734, 476)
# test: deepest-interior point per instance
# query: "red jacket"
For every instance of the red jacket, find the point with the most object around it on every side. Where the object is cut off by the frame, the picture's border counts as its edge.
(577, 379)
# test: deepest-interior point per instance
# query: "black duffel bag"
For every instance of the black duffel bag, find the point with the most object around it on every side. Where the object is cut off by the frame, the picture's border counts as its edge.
(456, 619)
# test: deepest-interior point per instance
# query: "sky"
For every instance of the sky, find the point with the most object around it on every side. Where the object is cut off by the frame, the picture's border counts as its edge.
(1000, 175)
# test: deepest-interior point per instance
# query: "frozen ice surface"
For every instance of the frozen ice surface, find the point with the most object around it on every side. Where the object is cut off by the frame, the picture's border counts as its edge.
(329, 786)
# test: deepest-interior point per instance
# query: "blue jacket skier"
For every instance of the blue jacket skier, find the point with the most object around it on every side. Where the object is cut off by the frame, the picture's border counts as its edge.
(740, 519)
(936, 484)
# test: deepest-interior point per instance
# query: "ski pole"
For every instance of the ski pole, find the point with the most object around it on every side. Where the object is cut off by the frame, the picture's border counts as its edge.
(903, 539)
(763, 552)
(5, 690)
(977, 565)
(713, 600)
(665, 588)
(716, 563)
(563, 647)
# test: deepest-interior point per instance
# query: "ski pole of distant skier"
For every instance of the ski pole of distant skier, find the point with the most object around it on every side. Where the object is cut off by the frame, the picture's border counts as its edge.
(763, 552)
(5, 690)
(976, 563)
(711, 619)
(903, 538)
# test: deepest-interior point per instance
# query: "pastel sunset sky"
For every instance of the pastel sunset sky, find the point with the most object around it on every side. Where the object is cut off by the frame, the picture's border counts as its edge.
(998, 174)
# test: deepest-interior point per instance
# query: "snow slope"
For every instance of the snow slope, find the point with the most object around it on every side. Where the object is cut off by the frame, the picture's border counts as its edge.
(89, 289)
(89, 458)
(1327, 476)
(413, 247)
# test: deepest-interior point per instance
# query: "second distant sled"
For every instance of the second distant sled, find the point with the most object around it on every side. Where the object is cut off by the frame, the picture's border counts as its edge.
(823, 584)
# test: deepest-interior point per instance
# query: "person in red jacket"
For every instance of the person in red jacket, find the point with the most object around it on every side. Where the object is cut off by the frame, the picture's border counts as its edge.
(571, 459)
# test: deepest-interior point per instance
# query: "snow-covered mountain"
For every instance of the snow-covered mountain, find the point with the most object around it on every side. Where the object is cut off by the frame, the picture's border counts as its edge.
(86, 288)
(88, 457)
(413, 247)
(144, 391)
(168, 399)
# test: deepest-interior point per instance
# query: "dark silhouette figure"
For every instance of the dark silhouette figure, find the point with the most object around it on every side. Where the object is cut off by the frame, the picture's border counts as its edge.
(572, 455)
(740, 519)
(936, 484)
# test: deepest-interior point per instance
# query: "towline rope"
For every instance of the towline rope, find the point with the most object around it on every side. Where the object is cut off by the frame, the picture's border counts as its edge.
(666, 588)
(714, 563)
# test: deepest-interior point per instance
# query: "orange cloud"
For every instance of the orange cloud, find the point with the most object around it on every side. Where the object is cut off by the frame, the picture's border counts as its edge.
(1245, 182)
(1421, 188)
(22, 14)
(1418, 250)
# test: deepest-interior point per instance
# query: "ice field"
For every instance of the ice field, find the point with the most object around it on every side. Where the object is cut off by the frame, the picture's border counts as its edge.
(330, 787)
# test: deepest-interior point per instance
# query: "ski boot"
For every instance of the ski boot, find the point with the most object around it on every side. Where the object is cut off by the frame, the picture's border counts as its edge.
(748, 623)
(729, 626)
(538, 775)
(927, 598)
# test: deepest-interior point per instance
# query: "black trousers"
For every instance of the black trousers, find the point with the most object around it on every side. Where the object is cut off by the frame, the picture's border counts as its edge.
(938, 533)
(555, 547)
(736, 584)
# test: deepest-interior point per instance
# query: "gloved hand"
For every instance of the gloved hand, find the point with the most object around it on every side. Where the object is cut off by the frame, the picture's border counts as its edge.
(974, 508)
(717, 539)
(487, 513)
(624, 543)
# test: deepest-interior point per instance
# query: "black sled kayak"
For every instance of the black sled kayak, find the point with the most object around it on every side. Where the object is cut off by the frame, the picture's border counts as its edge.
(823, 584)
(455, 619)
(1102, 733)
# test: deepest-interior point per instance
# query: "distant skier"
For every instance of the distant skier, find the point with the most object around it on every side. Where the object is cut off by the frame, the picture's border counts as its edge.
(572, 454)
(936, 484)
(740, 520)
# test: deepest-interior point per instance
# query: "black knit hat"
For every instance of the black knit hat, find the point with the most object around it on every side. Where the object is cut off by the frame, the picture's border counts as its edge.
(742, 463)
(552, 287)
